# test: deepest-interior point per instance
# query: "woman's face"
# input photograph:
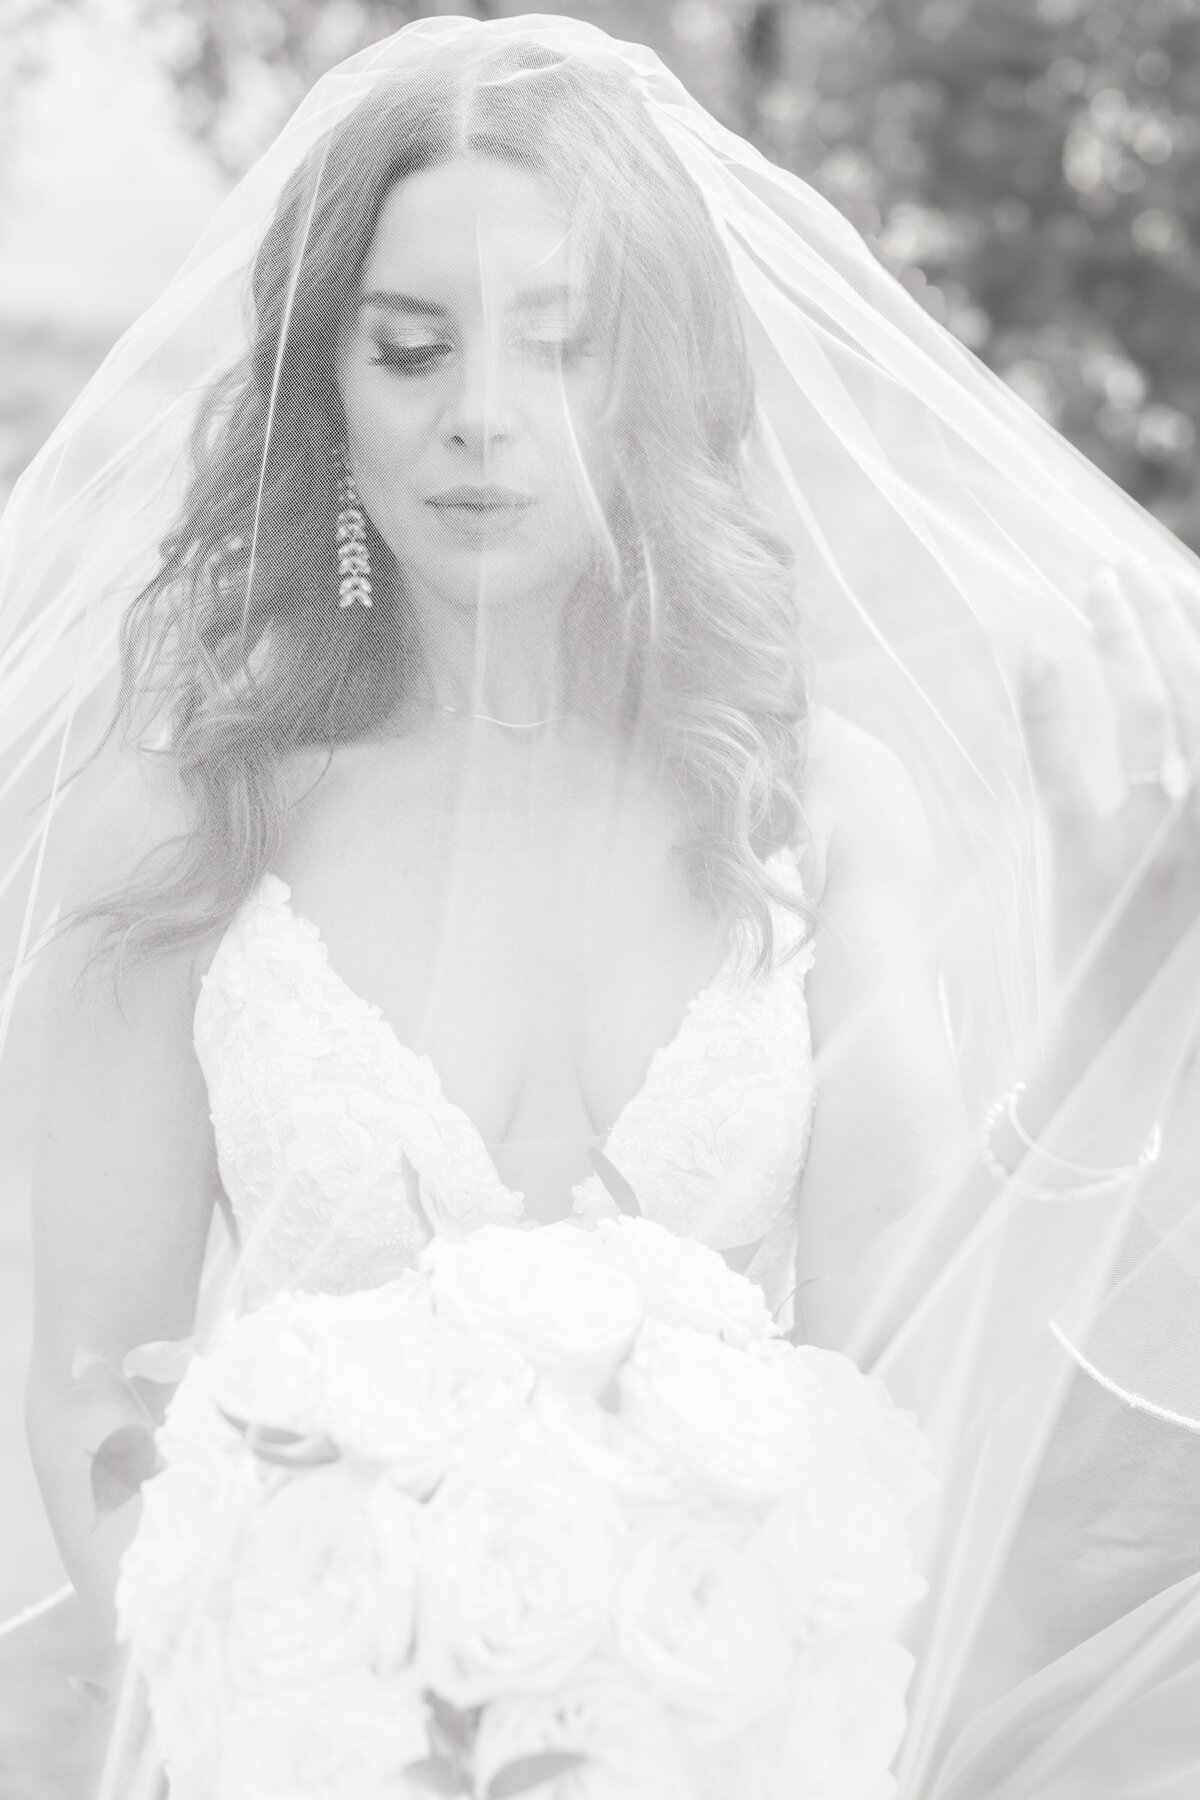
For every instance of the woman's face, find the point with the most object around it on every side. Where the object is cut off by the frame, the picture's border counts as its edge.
(474, 402)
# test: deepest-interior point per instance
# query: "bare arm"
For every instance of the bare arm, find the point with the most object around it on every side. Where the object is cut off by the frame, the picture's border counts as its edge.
(123, 1183)
(889, 1120)
(889, 1133)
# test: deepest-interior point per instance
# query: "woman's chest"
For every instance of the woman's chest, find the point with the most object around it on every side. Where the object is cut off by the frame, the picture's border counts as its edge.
(538, 946)
(424, 1020)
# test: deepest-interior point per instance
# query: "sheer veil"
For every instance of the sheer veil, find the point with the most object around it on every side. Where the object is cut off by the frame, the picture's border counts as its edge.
(935, 534)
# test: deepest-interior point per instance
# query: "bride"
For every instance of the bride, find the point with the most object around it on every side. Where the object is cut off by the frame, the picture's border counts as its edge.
(572, 752)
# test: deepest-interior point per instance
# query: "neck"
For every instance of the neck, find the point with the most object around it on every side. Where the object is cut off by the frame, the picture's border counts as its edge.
(503, 665)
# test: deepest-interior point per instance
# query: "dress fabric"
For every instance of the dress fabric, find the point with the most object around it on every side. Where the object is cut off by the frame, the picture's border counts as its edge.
(340, 1153)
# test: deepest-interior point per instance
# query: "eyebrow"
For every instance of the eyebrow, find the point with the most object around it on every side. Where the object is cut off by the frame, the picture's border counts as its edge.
(408, 304)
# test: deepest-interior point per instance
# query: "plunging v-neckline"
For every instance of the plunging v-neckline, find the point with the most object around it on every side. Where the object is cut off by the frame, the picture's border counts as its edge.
(340, 1151)
(371, 1009)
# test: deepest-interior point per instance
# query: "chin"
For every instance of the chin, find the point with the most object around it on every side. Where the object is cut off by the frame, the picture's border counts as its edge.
(490, 581)
(498, 596)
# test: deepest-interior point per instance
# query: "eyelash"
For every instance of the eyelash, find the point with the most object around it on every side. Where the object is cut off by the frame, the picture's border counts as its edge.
(414, 359)
(419, 359)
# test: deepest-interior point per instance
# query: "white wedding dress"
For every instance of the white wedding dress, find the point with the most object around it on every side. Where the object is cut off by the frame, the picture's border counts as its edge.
(317, 1106)
(341, 1157)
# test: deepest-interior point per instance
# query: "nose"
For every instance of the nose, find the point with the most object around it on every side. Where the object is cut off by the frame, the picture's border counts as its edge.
(483, 409)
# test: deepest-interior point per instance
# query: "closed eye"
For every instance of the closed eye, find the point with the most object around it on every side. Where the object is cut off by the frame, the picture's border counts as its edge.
(421, 359)
(556, 348)
(410, 359)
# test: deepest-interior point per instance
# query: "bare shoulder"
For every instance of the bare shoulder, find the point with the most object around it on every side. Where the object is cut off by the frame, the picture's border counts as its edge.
(338, 796)
(114, 813)
(112, 817)
(864, 810)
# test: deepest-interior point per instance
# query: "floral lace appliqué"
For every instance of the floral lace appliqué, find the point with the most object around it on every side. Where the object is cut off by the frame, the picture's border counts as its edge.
(340, 1152)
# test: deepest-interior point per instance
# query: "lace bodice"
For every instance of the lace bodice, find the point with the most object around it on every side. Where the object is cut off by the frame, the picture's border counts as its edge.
(340, 1153)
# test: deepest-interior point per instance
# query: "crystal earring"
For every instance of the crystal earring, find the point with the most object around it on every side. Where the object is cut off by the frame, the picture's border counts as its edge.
(354, 563)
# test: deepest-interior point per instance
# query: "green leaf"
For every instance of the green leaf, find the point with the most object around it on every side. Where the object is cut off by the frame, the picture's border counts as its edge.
(609, 1396)
(164, 1362)
(414, 1193)
(90, 1362)
(287, 1449)
(530, 1772)
(91, 1695)
(616, 1183)
(790, 1295)
(125, 1459)
(453, 1729)
(438, 1775)
(90, 1365)
(740, 1258)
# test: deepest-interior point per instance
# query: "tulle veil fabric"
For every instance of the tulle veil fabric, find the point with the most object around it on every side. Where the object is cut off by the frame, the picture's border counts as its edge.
(940, 530)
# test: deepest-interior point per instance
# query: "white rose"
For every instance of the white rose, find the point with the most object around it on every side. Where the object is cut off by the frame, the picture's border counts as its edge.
(517, 1571)
(547, 1291)
(897, 1452)
(838, 1548)
(684, 1282)
(848, 1718)
(423, 1398)
(355, 1743)
(604, 1445)
(289, 1361)
(271, 1366)
(835, 1736)
(630, 1746)
(192, 1515)
(242, 1584)
(353, 1323)
(324, 1585)
(188, 1711)
(172, 1579)
(735, 1423)
(695, 1615)
(194, 1425)
(374, 1371)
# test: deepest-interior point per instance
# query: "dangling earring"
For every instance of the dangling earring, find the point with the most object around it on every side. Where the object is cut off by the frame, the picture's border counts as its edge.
(354, 563)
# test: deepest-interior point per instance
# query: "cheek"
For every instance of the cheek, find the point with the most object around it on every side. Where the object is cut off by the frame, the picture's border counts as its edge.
(585, 453)
(384, 428)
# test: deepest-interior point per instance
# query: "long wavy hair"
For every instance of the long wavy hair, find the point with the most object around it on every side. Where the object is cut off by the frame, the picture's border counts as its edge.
(237, 648)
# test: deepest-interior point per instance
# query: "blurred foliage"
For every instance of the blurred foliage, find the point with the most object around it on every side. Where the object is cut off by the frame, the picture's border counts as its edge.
(23, 51)
(1029, 168)
(43, 365)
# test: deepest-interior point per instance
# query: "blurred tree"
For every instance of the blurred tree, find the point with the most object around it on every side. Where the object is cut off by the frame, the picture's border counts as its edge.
(1029, 168)
(240, 66)
(24, 49)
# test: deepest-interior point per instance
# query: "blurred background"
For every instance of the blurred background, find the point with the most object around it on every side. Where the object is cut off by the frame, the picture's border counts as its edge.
(1030, 169)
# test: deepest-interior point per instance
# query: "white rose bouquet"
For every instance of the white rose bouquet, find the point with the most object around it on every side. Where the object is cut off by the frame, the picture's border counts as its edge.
(559, 1511)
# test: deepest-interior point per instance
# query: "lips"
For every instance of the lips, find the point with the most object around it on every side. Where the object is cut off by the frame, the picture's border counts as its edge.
(476, 515)
(482, 500)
